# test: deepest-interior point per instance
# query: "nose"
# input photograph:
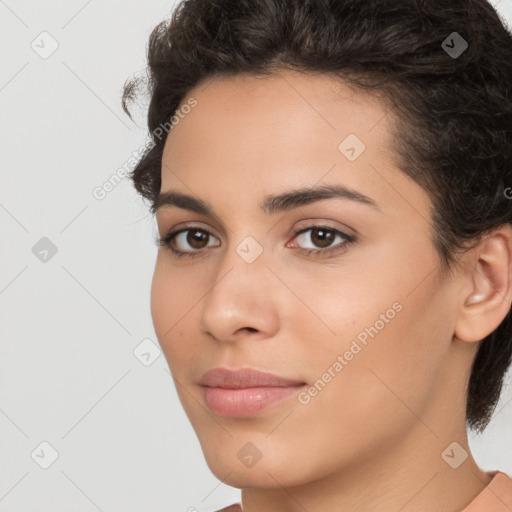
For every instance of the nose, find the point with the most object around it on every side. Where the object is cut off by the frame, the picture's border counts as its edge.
(241, 300)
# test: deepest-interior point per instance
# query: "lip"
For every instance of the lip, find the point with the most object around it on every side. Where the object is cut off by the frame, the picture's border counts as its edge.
(245, 391)
(244, 378)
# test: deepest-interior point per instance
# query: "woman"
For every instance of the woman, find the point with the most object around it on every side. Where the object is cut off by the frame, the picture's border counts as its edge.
(331, 181)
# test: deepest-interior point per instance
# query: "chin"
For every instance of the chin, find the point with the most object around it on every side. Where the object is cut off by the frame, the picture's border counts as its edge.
(269, 472)
(241, 477)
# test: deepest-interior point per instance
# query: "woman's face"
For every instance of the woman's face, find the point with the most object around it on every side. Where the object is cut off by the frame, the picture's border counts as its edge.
(365, 323)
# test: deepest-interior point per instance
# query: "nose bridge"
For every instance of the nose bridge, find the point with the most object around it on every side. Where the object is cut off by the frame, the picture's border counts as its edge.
(239, 295)
(246, 253)
(241, 272)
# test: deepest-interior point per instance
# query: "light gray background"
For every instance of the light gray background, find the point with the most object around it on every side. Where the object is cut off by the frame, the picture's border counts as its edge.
(69, 326)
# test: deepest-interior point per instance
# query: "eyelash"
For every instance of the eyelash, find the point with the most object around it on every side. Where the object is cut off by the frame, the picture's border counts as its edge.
(167, 239)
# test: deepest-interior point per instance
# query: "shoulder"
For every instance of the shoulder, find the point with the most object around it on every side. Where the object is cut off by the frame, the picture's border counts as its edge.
(501, 485)
(496, 497)
(236, 507)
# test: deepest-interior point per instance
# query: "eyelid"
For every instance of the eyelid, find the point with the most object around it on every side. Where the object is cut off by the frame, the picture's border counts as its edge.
(347, 238)
(348, 234)
(183, 226)
(208, 224)
(326, 223)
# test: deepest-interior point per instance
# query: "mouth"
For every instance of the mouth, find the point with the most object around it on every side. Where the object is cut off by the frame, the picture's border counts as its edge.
(246, 391)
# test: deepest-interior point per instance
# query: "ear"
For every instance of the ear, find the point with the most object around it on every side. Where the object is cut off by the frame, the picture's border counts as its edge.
(490, 287)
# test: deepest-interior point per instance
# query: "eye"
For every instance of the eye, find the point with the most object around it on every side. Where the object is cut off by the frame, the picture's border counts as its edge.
(193, 236)
(323, 236)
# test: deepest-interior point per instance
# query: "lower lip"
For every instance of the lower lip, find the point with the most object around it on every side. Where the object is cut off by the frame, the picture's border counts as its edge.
(245, 401)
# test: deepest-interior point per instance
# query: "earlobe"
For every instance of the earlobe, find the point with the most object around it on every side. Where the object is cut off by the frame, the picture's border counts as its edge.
(488, 301)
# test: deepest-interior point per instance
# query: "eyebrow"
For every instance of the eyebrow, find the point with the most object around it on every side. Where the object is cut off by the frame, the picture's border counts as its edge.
(271, 204)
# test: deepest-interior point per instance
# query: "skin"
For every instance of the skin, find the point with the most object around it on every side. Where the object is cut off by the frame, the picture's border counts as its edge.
(373, 437)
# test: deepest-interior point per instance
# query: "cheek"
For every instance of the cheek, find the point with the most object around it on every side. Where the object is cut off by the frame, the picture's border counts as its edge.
(170, 311)
(374, 399)
(162, 302)
(393, 336)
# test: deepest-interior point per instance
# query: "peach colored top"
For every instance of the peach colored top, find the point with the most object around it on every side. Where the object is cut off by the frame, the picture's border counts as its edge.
(496, 497)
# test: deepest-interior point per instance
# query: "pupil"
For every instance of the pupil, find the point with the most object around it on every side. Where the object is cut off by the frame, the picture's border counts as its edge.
(325, 240)
(195, 237)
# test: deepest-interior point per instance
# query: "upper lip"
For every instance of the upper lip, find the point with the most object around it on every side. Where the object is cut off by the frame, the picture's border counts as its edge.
(244, 378)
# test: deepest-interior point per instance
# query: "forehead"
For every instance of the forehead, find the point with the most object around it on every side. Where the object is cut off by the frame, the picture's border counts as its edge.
(286, 107)
(249, 136)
